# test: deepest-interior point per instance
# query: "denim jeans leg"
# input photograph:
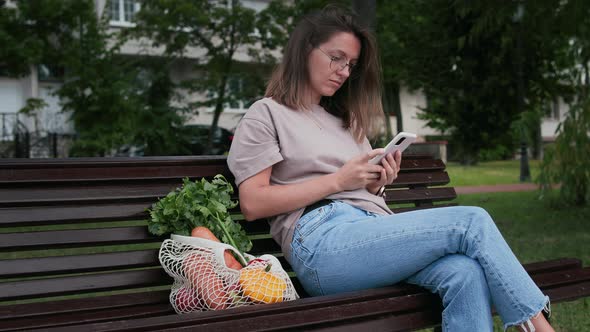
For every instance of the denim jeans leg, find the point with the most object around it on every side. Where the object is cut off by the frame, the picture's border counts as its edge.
(461, 284)
(348, 249)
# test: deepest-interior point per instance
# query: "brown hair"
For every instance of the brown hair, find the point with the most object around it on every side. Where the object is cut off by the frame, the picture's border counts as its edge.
(358, 101)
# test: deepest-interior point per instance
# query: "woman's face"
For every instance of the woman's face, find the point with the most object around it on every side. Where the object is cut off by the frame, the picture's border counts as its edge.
(326, 79)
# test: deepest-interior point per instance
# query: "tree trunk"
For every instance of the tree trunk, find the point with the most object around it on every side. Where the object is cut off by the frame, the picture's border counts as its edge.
(218, 104)
(391, 106)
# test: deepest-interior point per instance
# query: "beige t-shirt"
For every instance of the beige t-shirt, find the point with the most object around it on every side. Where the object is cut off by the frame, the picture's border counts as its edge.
(299, 145)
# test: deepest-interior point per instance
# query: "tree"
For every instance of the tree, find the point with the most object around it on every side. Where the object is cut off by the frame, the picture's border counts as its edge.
(101, 89)
(220, 29)
(463, 56)
(20, 47)
(567, 161)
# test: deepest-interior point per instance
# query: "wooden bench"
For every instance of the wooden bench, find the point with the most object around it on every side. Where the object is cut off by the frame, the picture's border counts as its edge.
(75, 254)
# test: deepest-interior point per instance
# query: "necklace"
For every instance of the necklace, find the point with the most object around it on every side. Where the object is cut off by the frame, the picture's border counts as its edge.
(309, 114)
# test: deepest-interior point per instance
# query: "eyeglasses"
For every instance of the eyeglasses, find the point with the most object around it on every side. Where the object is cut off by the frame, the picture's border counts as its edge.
(339, 62)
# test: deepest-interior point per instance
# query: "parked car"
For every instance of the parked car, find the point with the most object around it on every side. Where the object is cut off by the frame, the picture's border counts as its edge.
(198, 134)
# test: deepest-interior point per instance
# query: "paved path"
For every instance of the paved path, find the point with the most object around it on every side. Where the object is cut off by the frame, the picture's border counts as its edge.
(497, 188)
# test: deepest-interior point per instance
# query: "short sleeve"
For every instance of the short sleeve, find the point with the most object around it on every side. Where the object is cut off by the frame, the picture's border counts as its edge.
(255, 146)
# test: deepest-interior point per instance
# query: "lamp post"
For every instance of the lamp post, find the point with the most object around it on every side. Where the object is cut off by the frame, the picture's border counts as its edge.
(525, 174)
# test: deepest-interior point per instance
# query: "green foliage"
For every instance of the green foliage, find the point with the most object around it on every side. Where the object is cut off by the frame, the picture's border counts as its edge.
(498, 152)
(19, 47)
(199, 203)
(32, 106)
(113, 100)
(567, 162)
(466, 57)
(219, 28)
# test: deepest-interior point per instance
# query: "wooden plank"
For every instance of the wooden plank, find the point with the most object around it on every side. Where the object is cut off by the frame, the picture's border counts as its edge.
(420, 179)
(78, 237)
(96, 173)
(88, 169)
(569, 292)
(57, 214)
(294, 309)
(72, 306)
(423, 207)
(553, 265)
(84, 192)
(420, 194)
(107, 314)
(47, 266)
(20, 290)
(421, 165)
(401, 322)
(562, 278)
(340, 305)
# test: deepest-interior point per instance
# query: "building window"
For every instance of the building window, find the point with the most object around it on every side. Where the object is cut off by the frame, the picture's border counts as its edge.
(552, 109)
(121, 12)
(50, 73)
(239, 101)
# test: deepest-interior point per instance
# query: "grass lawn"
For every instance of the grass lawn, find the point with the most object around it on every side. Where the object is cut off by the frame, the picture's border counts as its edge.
(538, 232)
(490, 172)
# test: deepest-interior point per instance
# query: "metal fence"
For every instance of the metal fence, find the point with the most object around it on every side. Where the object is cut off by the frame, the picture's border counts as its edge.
(16, 141)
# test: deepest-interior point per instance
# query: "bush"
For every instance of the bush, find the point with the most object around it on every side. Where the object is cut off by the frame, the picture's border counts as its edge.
(567, 161)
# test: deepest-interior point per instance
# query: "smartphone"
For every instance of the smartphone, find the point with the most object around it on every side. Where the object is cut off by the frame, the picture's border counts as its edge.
(400, 142)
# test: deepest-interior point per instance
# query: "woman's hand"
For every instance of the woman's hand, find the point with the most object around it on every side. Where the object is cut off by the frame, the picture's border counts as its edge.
(391, 165)
(358, 173)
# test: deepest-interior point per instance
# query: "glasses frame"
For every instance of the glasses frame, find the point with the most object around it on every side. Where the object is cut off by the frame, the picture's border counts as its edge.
(351, 66)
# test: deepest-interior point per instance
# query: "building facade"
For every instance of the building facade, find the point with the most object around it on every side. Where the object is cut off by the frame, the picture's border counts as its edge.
(44, 80)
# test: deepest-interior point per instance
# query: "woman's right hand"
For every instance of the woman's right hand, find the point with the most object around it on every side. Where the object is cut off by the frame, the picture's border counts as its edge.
(358, 173)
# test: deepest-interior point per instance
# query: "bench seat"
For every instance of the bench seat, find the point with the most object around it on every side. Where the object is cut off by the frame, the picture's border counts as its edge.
(75, 254)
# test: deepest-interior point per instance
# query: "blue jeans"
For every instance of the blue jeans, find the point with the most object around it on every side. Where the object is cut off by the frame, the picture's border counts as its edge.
(456, 252)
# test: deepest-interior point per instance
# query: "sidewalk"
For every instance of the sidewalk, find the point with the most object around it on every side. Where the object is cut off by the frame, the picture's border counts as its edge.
(497, 188)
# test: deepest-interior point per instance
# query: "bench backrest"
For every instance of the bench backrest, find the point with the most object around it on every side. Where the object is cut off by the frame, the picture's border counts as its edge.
(77, 226)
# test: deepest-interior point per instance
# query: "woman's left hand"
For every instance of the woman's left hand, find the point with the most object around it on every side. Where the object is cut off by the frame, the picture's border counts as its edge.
(391, 165)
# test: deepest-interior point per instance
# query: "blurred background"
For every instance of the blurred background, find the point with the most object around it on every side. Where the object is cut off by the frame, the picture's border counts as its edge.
(475, 80)
(499, 90)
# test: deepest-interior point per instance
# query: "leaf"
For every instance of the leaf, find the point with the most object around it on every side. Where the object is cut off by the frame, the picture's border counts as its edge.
(199, 203)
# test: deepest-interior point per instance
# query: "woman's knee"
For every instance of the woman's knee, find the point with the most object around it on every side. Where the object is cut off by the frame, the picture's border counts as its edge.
(463, 270)
(478, 218)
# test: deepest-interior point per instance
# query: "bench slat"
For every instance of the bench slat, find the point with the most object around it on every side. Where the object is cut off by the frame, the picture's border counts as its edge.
(423, 179)
(562, 278)
(20, 290)
(80, 263)
(537, 270)
(78, 192)
(401, 322)
(294, 308)
(420, 194)
(50, 215)
(86, 237)
(314, 316)
(96, 193)
(569, 292)
(71, 306)
(109, 169)
(129, 312)
(87, 169)
(29, 267)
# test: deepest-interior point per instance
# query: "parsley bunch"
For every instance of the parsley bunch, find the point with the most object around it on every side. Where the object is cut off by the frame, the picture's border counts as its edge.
(199, 203)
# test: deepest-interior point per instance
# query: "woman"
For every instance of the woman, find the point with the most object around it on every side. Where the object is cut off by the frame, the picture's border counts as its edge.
(300, 158)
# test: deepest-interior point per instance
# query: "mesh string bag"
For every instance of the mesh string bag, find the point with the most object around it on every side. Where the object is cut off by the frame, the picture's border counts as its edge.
(203, 282)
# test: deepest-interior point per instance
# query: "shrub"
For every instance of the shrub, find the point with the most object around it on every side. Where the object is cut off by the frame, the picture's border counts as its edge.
(567, 161)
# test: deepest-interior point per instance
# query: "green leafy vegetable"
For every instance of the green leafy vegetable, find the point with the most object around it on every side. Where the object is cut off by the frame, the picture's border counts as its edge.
(199, 203)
